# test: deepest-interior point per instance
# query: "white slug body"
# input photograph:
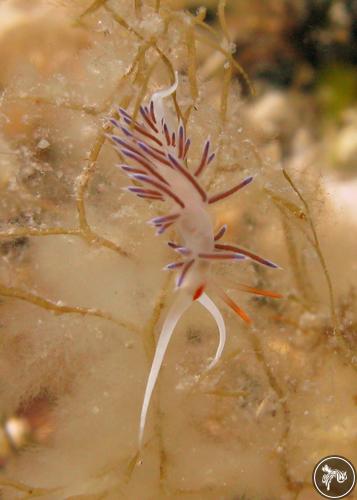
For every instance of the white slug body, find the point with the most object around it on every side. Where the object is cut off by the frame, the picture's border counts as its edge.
(157, 162)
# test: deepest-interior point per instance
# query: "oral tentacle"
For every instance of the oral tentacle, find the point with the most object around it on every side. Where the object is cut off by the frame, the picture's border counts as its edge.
(175, 313)
(214, 311)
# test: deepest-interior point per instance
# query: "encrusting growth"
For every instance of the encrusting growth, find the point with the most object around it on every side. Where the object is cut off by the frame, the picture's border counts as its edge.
(156, 157)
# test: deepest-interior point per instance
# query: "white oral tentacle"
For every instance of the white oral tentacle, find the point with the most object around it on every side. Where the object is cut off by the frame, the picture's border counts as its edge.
(214, 311)
(176, 311)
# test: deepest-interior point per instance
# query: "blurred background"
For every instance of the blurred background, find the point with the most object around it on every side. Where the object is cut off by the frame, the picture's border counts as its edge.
(308, 45)
(58, 79)
(300, 51)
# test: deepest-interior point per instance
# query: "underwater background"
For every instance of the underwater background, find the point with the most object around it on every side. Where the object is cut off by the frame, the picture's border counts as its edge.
(83, 296)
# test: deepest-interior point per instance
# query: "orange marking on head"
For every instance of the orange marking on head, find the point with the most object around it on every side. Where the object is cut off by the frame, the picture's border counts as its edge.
(199, 292)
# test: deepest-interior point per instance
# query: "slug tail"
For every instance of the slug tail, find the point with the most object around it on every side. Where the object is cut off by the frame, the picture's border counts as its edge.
(157, 107)
(176, 311)
(214, 311)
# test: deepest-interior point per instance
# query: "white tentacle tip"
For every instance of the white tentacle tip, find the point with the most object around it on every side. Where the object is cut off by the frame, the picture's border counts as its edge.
(212, 364)
(160, 94)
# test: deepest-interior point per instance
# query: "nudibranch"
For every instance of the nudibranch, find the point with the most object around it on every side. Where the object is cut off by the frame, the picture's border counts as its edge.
(156, 158)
